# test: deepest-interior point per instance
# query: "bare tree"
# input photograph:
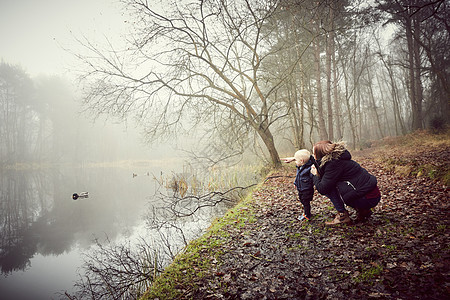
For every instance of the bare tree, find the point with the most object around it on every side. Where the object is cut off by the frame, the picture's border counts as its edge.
(398, 121)
(125, 271)
(16, 114)
(202, 58)
(322, 125)
(117, 271)
(425, 26)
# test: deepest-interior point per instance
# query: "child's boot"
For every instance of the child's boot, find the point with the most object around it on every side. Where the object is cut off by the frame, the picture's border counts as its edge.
(303, 218)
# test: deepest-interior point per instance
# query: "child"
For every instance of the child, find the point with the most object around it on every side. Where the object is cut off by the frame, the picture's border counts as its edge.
(303, 180)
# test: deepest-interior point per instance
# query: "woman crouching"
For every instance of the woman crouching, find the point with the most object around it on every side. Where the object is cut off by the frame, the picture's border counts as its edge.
(344, 181)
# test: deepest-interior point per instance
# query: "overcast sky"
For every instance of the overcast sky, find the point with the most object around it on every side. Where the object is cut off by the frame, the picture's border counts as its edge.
(33, 32)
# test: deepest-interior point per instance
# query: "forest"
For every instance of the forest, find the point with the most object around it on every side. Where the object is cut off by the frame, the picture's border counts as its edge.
(264, 76)
(259, 249)
(274, 75)
(255, 80)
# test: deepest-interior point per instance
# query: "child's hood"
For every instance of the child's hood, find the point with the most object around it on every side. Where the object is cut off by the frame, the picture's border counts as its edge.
(307, 164)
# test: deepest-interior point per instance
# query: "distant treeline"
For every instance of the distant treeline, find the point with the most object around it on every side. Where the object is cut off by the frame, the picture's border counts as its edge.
(41, 122)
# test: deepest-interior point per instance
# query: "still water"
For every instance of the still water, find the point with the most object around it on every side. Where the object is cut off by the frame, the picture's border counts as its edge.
(43, 231)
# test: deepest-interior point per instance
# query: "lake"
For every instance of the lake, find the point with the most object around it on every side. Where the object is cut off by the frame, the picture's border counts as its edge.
(44, 232)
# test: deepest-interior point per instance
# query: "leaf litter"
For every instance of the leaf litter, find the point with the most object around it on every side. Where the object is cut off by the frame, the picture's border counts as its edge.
(401, 252)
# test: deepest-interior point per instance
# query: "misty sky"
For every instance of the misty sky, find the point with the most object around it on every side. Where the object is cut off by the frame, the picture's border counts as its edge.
(33, 32)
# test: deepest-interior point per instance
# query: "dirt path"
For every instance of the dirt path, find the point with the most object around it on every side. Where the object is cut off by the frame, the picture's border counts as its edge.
(402, 252)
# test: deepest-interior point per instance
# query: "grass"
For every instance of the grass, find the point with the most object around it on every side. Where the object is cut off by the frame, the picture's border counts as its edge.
(390, 247)
(417, 138)
(368, 273)
(198, 258)
(442, 228)
(197, 181)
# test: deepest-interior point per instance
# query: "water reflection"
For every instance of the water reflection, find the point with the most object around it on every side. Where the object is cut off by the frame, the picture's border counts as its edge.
(130, 265)
(23, 215)
(44, 233)
(38, 216)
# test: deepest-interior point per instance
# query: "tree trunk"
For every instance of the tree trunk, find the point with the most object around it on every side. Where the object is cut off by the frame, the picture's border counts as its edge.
(398, 120)
(322, 127)
(417, 77)
(302, 106)
(337, 111)
(311, 115)
(387, 124)
(328, 74)
(299, 121)
(349, 110)
(267, 139)
(302, 112)
(374, 106)
(415, 109)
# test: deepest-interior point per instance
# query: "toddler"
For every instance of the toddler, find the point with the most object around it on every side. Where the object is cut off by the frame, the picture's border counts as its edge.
(303, 180)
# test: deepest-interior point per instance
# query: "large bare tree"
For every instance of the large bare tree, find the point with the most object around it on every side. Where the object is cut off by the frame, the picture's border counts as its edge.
(202, 58)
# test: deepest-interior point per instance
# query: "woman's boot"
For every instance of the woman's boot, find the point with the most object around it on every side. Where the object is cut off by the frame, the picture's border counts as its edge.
(363, 214)
(341, 218)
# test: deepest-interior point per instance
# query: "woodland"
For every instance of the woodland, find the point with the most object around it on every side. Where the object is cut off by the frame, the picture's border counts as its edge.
(273, 76)
(265, 77)
(256, 80)
(259, 249)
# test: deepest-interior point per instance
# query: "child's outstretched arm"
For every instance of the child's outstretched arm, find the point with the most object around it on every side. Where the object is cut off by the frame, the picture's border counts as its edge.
(288, 159)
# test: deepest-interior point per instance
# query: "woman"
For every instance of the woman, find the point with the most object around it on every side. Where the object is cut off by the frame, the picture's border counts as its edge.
(344, 181)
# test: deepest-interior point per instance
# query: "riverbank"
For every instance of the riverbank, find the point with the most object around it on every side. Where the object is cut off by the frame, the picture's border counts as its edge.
(259, 250)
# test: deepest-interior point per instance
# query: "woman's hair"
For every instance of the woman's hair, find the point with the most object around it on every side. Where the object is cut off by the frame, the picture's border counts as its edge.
(322, 148)
(302, 154)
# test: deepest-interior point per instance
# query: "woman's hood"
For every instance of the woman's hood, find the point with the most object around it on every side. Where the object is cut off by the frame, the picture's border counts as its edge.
(339, 152)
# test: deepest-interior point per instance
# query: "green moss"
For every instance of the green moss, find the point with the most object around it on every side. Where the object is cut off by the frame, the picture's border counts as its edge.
(194, 263)
(294, 235)
(369, 273)
(390, 247)
(442, 228)
(338, 276)
(295, 248)
(445, 176)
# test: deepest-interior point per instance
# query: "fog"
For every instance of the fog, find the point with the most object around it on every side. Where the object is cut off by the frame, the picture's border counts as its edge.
(52, 147)
(37, 34)
(39, 38)
(109, 99)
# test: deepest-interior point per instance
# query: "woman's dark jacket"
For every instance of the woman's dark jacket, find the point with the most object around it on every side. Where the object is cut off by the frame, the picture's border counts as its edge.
(303, 179)
(340, 171)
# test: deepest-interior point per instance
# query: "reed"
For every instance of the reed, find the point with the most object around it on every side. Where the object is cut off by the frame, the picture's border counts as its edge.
(195, 182)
